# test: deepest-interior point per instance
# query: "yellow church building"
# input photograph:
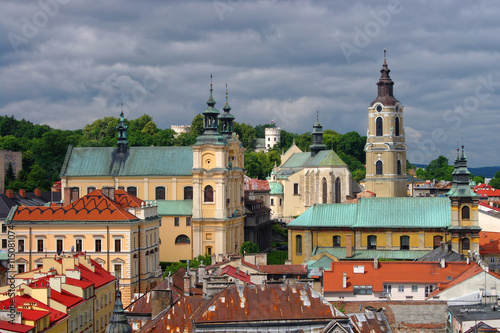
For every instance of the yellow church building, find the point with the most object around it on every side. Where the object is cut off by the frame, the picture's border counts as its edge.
(198, 190)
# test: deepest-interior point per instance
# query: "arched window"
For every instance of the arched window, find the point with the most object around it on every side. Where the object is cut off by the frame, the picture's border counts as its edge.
(465, 244)
(208, 194)
(160, 193)
(325, 191)
(378, 168)
(397, 126)
(188, 192)
(404, 242)
(437, 241)
(379, 124)
(465, 213)
(338, 190)
(372, 242)
(398, 167)
(336, 241)
(298, 245)
(90, 189)
(132, 190)
(182, 239)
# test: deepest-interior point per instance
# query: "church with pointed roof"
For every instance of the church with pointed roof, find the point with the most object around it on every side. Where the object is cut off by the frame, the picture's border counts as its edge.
(307, 178)
(199, 190)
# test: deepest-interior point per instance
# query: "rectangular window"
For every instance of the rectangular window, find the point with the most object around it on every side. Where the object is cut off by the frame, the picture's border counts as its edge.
(118, 271)
(428, 290)
(20, 268)
(132, 190)
(39, 245)
(90, 189)
(98, 245)
(20, 245)
(280, 202)
(362, 290)
(4, 228)
(492, 260)
(79, 245)
(388, 289)
(188, 221)
(176, 221)
(401, 288)
(75, 194)
(59, 246)
(295, 188)
(272, 202)
(118, 245)
(4, 243)
(414, 288)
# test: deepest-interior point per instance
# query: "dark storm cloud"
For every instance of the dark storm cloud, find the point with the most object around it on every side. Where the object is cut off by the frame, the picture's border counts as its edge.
(68, 62)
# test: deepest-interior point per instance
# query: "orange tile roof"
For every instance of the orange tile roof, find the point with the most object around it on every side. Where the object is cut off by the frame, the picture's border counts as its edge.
(5, 325)
(127, 200)
(489, 242)
(390, 272)
(93, 207)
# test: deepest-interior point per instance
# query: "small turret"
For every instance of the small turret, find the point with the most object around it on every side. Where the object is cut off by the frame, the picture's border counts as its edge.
(118, 322)
(317, 134)
(122, 142)
(226, 119)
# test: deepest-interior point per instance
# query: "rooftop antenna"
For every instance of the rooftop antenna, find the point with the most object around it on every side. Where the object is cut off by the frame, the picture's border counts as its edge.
(385, 54)
(317, 115)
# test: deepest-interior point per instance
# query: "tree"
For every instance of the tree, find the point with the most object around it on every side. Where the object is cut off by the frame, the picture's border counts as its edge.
(478, 179)
(172, 267)
(495, 181)
(439, 169)
(246, 134)
(331, 139)
(249, 247)
(197, 125)
(353, 144)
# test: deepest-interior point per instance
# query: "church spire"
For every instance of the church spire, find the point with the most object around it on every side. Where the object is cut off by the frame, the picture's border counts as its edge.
(118, 322)
(460, 178)
(317, 134)
(122, 142)
(385, 86)
(226, 119)
(211, 122)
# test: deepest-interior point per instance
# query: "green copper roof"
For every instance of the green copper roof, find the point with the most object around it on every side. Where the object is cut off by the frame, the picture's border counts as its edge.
(276, 188)
(429, 212)
(426, 212)
(364, 254)
(174, 207)
(105, 161)
(323, 158)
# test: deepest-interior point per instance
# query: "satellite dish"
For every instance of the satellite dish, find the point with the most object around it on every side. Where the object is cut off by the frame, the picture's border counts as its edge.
(73, 248)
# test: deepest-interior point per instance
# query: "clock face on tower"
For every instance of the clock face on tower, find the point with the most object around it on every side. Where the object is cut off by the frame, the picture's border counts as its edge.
(379, 108)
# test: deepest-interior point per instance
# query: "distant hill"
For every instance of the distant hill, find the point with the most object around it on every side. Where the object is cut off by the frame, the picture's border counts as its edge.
(488, 172)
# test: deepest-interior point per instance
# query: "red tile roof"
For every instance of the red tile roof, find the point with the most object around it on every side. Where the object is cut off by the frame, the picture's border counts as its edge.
(488, 193)
(99, 277)
(390, 272)
(486, 204)
(252, 184)
(29, 314)
(5, 325)
(127, 200)
(93, 207)
(65, 298)
(231, 271)
(489, 242)
(284, 269)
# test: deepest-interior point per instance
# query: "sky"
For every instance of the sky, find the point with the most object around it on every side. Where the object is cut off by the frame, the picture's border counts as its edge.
(67, 63)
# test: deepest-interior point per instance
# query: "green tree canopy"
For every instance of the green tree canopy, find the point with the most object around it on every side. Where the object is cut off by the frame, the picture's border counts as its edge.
(495, 181)
(249, 247)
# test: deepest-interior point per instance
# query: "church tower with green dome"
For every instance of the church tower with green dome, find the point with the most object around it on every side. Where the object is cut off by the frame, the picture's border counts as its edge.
(218, 185)
(385, 144)
(464, 227)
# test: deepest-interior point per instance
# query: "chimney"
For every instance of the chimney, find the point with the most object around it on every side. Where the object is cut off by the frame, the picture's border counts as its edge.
(221, 257)
(214, 259)
(9, 193)
(348, 245)
(344, 280)
(468, 260)
(160, 300)
(201, 272)
(22, 193)
(67, 196)
(443, 263)
(38, 192)
(187, 285)
(375, 263)
(238, 270)
(109, 192)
